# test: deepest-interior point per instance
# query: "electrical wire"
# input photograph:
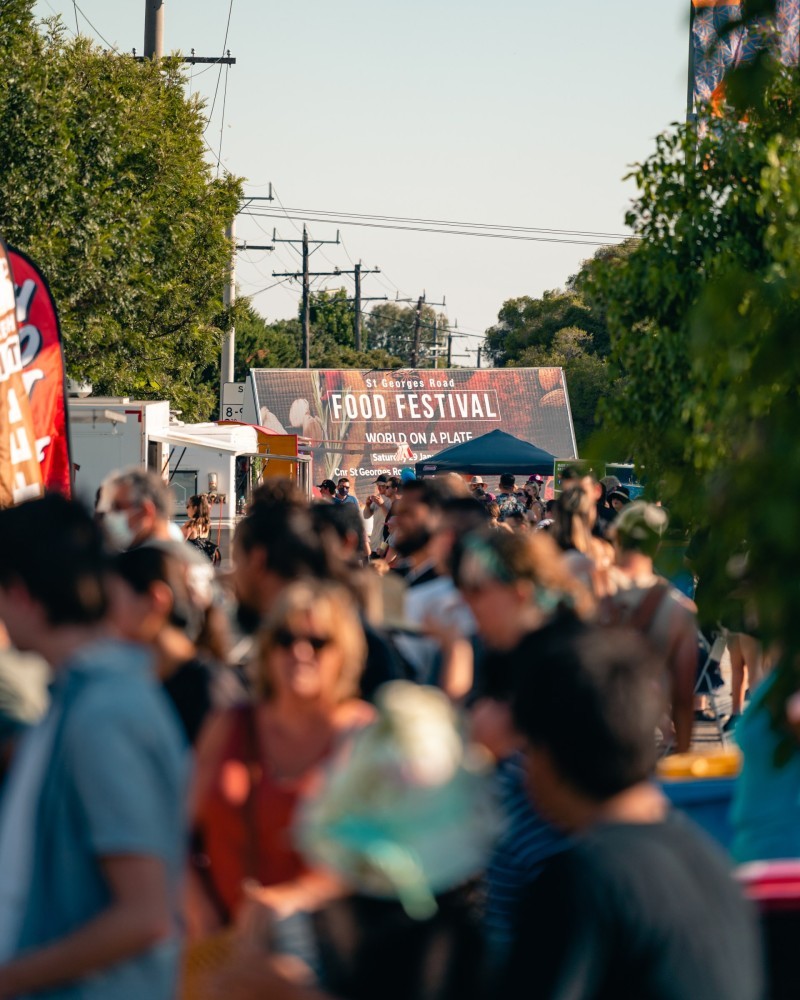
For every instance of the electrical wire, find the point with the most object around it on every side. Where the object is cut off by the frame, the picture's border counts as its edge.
(94, 29)
(219, 76)
(299, 212)
(222, 122)
(455, 232)
(75, 8)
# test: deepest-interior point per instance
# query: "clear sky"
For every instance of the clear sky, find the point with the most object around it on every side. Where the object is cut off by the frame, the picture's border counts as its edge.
(519, 112)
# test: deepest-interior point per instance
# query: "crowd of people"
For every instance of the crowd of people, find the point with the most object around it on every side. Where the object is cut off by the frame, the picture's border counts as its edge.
(399, 748)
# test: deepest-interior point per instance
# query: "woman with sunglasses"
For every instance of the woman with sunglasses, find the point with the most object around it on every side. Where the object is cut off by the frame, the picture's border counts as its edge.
(256, 762)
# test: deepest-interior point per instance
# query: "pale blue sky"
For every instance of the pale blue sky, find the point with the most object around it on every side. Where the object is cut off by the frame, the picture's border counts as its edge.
(522, 112)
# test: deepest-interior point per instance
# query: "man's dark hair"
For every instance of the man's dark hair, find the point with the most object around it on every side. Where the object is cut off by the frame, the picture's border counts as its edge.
(592, 699)
(382, 478)
(286, 533)
(278, 491)
(465, 514)
(342, 518)
(395, 482)
(54, 548)
(508, 480)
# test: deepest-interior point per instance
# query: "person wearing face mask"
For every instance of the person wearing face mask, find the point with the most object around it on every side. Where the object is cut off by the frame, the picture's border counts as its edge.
(135, 505)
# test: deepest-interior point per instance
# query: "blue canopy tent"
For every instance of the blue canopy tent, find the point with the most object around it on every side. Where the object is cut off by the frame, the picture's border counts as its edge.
(490, 454)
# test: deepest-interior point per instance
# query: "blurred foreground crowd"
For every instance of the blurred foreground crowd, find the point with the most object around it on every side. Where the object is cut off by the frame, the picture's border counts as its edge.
(414, 762)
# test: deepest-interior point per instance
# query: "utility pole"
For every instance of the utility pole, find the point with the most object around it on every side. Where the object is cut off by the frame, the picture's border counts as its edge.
(154, 38)
(358, 299)
(479, 358)
(228, 300)
(306, 277)
(154, 29)
(306, 304)
(357, 312)
(422, 301)
(227, 360)
(435, 341)
(417, 327)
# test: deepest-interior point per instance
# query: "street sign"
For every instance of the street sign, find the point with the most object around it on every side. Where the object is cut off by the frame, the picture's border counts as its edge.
(233, 400)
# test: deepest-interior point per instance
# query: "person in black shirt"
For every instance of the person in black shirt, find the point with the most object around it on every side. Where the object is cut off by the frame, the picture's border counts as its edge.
(642, 906)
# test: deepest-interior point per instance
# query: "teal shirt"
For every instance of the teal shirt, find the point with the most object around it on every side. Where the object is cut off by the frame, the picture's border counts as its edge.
(115, 784)
(766, 803)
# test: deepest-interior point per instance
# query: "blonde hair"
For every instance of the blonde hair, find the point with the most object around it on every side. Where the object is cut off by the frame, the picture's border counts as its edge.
(335, 606)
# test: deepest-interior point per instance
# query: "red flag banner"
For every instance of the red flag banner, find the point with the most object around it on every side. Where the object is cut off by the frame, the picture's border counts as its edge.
(43, 364)
(20, 472)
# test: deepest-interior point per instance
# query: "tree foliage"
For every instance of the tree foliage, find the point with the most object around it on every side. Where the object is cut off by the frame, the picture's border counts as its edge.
(103, 182)
(703, 317)
(261, 344)
(565, 328)
(390, 327)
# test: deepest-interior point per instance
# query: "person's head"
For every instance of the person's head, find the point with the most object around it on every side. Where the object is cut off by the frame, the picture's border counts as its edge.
(163, 591)
(611, 483)
(343, 486)
(342, 526)
(618, 500)
(136, 504)
(381, 483)
(198, 509)
(327, 488)
(416, 517)
(517, 521)
(511, 582)
(312, 646)
(507, 482)
(278, 491)
(638, 530)
(493, 510)
(587, 714)
(477, 483)
(52, 571)
(273, 546)
(573, 518)
(393, 485)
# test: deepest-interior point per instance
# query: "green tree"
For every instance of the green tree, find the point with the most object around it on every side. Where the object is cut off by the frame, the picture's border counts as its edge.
(590, 378)
(390, 327)
(104, 183)
(527, 322)
(703, 316)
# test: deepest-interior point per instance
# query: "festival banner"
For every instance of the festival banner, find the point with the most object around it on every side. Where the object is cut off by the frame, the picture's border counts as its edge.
(716, 52)
(364, 423)
(43, 364)
(20, 472)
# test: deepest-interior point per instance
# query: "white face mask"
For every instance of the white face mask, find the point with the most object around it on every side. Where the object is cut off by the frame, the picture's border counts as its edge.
(118, 531)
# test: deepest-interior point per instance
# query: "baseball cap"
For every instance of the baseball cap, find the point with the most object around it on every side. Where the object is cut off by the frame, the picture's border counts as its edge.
(641, 526)
(535, 479)
(327, 484)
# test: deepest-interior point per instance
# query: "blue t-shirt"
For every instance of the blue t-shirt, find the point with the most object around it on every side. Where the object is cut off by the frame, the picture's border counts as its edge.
(766, 802)
(348, 499)
(116, 785)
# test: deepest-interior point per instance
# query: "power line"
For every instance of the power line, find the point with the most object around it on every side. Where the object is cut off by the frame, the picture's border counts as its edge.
(449, 223)
(75, 9)
(219, 75)
(94, 29)
(222, 122)
(450, 232)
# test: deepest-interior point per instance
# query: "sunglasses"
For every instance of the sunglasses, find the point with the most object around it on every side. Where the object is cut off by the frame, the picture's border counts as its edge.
(286, 639)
